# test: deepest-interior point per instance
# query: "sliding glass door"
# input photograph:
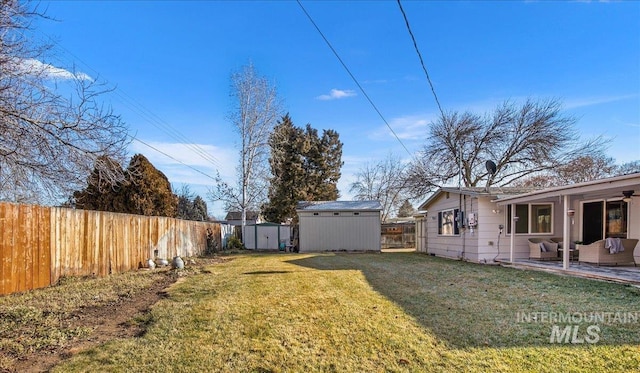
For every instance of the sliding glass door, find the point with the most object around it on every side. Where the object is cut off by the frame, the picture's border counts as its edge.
(592, 226)
(603, 219)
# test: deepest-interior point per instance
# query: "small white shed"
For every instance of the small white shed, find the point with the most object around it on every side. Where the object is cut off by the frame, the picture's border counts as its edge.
(339, 226)
(266, 236)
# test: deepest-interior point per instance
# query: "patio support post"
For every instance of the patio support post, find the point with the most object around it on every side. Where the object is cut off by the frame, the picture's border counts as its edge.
(566, 232)
(512, 223)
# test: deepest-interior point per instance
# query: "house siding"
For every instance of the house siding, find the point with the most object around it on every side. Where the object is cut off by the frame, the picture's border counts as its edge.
(483, 244)
(345, 231)
(491, 244)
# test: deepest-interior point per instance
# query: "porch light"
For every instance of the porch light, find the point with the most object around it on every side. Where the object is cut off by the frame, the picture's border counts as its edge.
(627, 195)
(571, 213)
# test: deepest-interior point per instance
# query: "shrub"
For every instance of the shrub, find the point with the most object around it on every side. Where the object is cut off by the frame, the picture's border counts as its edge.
(234, 243)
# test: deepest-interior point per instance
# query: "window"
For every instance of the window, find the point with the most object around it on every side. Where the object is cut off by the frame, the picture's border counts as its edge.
(533, 218)
(616, 219)
(447, 223)
(540, 218)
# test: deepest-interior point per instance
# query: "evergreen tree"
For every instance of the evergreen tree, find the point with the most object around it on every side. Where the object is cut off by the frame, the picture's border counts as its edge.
(331, 149)
(101, 193)
(190, 206)
(406, 209)
(149, 191)
(287, 169)
(144, 191)
(200, 209)
(304, 167)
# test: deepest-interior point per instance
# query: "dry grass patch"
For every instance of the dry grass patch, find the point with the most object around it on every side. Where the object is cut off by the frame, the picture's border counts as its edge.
(47, 321)
(369, 312)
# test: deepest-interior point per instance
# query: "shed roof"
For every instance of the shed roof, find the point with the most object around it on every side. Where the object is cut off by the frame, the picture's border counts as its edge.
(493, 192)
(339, 205)
(593, 189)
(237, 215)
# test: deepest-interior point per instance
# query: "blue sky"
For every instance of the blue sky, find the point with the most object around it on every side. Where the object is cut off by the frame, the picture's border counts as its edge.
(171, 63)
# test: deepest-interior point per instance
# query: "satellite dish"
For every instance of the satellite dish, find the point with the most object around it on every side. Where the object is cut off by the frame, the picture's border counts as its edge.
(491, 167)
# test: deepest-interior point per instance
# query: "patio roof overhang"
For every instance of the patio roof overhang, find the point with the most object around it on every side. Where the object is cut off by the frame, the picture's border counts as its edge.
(610, 188)
(596, 189)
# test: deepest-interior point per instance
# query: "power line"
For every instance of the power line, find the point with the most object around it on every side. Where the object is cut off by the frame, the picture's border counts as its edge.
(424, 68)
(161, 152)
(353, 77)
(147, 114)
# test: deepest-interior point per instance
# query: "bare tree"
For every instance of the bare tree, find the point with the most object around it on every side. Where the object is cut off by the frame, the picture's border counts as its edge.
(257, 108)
(384, 181)
(49, 143)
(522, 140)
(584, 168)
(628, 168)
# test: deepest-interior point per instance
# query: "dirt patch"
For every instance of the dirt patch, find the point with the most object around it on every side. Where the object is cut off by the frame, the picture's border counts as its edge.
(123, 318)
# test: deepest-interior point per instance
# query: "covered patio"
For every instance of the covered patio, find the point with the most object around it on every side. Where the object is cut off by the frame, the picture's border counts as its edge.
(576, 215)
(621, 274)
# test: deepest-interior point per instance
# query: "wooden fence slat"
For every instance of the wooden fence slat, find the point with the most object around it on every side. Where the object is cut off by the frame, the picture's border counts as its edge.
(38, 245)
(5, 248)
(44, 247)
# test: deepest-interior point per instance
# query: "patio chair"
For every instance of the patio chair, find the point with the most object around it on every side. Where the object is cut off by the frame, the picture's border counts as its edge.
(597, 253)
(539, 248)
(559, 241)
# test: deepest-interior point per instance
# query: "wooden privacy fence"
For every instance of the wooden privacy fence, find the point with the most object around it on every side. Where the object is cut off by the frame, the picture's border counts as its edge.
(38, 245)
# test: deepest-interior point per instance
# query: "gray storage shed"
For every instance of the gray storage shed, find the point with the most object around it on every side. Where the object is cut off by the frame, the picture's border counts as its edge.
(266, 236)
(339, 226)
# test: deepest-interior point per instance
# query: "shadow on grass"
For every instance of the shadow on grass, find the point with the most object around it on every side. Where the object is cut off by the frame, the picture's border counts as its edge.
(265, 272)
(473, 305)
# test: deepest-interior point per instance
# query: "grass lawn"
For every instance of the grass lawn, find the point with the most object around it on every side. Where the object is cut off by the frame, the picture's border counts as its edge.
(373, 313)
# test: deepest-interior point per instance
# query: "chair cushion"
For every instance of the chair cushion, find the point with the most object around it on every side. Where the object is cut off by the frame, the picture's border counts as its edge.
(543, 248)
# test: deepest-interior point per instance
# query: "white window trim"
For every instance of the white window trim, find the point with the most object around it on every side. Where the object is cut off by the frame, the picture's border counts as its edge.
(438, 223)
(529, 233)
(604, 201)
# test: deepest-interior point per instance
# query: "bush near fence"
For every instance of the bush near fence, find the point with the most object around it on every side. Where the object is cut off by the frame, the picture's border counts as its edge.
(38, 244)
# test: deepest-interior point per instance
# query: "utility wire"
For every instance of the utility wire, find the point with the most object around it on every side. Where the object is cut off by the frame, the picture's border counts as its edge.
(424, 68)
(177, 160)
(353, 77)
(147, 114)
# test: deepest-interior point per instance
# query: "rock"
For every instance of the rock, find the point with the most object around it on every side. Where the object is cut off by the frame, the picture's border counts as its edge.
(151, 264)
(177, 263)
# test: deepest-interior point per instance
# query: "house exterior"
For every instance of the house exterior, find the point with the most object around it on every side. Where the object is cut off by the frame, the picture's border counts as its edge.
(464, 224)
(235, 218)
(339, 226)
(586, 212)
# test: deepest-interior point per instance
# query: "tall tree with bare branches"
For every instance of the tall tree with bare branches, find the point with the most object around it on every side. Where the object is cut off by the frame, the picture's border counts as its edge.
(522, 140)
(384, 181)
(53, 127)
(256, 109)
